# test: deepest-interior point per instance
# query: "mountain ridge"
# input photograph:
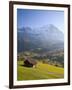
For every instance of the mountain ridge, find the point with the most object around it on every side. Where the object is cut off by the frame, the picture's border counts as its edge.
(45, 37)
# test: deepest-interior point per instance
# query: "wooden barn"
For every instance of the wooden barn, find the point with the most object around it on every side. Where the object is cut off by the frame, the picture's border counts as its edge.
(30, 63)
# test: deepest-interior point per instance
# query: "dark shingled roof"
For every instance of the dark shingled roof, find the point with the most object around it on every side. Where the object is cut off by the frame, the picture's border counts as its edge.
(31, 61)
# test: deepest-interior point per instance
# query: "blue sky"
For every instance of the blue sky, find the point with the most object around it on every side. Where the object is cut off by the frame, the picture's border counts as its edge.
(38, 18)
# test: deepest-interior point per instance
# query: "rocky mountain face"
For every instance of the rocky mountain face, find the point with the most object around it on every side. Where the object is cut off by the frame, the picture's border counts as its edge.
(43, 38)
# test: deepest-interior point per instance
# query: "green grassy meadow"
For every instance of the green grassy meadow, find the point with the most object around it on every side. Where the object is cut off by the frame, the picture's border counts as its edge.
(41, 71)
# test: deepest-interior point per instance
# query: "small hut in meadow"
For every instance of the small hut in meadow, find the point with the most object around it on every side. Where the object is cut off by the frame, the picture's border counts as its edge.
(30, 63)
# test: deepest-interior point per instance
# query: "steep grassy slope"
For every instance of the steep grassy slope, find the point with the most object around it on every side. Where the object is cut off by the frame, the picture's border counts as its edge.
(42, 71)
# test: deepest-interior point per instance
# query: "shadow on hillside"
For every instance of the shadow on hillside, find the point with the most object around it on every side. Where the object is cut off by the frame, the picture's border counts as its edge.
(26, 66)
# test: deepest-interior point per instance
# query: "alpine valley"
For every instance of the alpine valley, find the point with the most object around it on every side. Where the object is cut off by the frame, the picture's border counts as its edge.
(45, 45)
